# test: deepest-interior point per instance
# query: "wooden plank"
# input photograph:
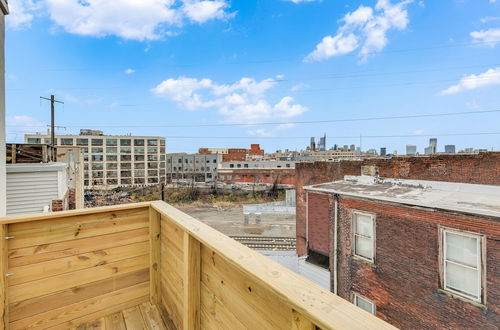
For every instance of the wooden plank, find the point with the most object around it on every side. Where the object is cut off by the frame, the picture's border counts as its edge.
(255, 301)
(133, 318)
(94, 211)
(99, 324)
(76, 294)
(71, 229)
(192, 282)
(14, 153)
(214, 315)
(67, 313)
(89, 317)
(64, 281)
(115, 321)
(152, 317)
(320, 306)
(4, 306)
(299, 322)
(155, 255)
(40, 253)
(59, 266)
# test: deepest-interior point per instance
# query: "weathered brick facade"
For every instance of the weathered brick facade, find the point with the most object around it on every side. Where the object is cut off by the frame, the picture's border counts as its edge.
(482, 168)
(404, 282)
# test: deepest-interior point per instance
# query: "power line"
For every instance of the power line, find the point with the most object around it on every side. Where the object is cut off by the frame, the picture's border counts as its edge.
(284, 123)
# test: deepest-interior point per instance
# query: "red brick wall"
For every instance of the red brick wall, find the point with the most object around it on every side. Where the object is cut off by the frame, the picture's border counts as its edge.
(404, 282)
(483, 168)
(284, 176)
(319, 208)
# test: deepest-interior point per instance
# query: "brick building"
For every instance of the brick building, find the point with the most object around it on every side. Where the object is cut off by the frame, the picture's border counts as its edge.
(418, 254)
(235, 154)
(482, 168)
(283, 176)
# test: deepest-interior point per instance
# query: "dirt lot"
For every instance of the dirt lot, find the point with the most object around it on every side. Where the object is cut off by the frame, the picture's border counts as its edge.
(230, 221)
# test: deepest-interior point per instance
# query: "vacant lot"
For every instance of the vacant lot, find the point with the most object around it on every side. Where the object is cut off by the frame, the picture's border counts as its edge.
(230, 221)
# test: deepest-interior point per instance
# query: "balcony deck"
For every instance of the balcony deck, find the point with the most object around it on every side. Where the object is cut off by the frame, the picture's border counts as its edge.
(143, 316)
(93, 267)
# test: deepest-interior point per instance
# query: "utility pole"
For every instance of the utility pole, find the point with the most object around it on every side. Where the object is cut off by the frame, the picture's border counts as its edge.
(52, 122)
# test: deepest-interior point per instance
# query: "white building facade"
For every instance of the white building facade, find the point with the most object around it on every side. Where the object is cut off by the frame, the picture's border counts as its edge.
(115, 160)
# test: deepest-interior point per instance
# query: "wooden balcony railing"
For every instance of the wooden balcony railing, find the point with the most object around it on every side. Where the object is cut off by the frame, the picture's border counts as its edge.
(67, 268)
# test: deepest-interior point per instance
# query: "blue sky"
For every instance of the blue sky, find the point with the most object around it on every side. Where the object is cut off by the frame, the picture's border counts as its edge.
(126, 66)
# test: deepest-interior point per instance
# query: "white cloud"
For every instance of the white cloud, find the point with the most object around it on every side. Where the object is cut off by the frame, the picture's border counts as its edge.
(242, 101)
(127, 19)
(365, 29)
(490, 36)
(129, 71)
(493, 1)
(299, 87)
(300, 1)
(487, 19)
(23, 121)
(282, 127)
(260, 132)
(202, 11)
(490, 77)
(21, 13)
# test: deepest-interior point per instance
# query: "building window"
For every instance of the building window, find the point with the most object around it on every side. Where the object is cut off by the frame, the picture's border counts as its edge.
(111, 150)
(125, 142)
(461, 263)
(82, 142)
(34, 140)
(66, 141)
(97, 150)
(363, 303)
(111, 142)
(111, 158)
(138, 142)
(97, 142)
(152, 143)
(364, 236)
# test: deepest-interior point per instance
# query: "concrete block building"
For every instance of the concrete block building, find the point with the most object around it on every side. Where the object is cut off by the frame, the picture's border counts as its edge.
(418, 254)
(194, 167)
(115, 160)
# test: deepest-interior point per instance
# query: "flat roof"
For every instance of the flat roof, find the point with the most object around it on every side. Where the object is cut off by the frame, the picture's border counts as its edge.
(36, 167)
(462, 197)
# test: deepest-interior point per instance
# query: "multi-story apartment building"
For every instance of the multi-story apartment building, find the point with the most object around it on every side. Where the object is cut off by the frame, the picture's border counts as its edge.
(197, 167)
(115, 160)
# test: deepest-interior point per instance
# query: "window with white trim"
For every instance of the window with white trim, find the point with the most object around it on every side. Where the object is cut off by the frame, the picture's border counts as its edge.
(461, 263)
(363, 303)
(364, 236)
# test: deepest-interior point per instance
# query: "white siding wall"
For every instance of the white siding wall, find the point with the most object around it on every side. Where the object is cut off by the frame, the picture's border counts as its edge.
(29, 192)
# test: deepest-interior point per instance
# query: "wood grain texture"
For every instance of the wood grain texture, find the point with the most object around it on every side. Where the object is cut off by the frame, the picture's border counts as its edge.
(192, 278)
(45, 303)
(91, 259)
(155, 256)
(40, 253)
(4, 306)
(65, 281)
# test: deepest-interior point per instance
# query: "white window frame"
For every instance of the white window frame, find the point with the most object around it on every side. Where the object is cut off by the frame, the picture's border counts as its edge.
(356, 297)
(480, 267)
(354, 229)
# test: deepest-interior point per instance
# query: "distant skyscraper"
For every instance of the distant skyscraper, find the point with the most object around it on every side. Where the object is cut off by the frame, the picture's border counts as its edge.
(433, 145)
(352, 147)
(335, 146)
(322, 143)
(358, 151)
(312, 145)
(383, 152)
(449, 148)
(346, 147)
(411, 150)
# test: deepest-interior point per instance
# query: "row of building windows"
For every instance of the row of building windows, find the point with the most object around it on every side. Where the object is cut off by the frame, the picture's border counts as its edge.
(114, 174)
(123, 150)
(246, 165)
(126, 181)
(100, 142)
(189, 161)
(127, 166)
(461, 254)
(202, 169)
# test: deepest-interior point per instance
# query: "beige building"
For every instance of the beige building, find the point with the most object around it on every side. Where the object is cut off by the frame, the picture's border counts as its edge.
(4, 10)
(114, 160)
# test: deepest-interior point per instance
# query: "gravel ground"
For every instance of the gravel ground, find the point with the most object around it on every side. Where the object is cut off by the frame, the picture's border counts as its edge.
(230, 221)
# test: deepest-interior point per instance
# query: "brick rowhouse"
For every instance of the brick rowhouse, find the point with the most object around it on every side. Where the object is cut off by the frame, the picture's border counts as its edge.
(404, 281)
(482, 168)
